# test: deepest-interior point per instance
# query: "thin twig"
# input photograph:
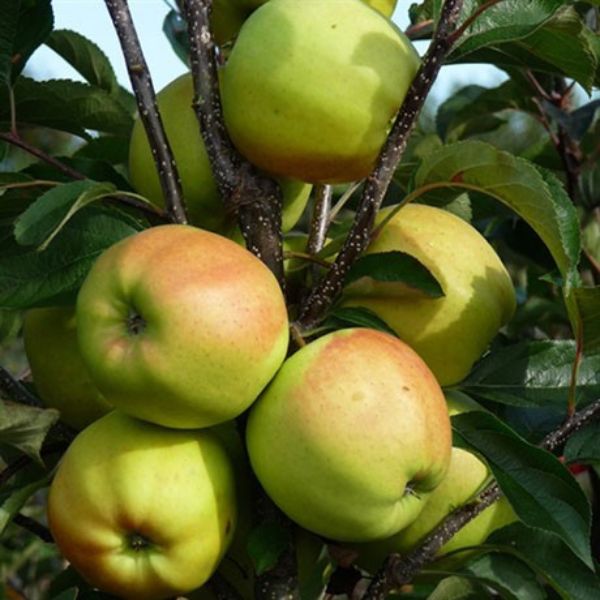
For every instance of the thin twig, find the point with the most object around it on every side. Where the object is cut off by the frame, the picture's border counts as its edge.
(11, 389)
(254, 198)
(399, 570)
(141, 83)
(34, 527)
(330, 285)
(419, 31)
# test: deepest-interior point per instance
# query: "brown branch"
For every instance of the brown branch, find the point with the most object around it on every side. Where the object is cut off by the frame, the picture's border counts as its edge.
(399, 570)
(255, 199)
(320, 219)
(34, 527)
(420, 31)
(330, 285)
(141, 83)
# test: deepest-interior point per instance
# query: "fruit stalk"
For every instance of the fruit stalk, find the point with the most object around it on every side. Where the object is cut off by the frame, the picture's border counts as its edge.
(400, 570)
(143, 88)
(328, 288)
(256, 199)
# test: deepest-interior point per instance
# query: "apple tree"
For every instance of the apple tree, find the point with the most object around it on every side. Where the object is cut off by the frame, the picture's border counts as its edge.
(431, 430)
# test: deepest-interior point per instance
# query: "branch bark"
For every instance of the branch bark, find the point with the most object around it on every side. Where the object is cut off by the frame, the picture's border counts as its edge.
(399, 570)
(143, 88)
(255, 199)
(328, 288)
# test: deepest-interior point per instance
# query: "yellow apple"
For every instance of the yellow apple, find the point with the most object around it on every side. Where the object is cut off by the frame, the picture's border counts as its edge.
(351, 435)
(181, 327)
(451, 332)
(142, 511)
(310, 88)
(59, 375)
(204, 205)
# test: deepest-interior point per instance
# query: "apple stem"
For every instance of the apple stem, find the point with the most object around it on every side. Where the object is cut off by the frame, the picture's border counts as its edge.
(400, 570)
(253, 197)
(330, 285)
(141, 82)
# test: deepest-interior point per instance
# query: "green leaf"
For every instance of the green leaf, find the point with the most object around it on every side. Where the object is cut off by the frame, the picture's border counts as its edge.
(539, 488)
(512, 578)
(29, 278)
(175, 28)
(110, 149)
(588, 306)
(347, 316)
(534, 374)
(457, 588)
(551, 558)
(67, 105)
(398, 267)
(25, 427)
(85, 57)
(584, 446)
(266, 543)
(42, 221)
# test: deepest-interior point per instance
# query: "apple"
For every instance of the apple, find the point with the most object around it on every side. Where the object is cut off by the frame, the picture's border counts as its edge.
(451, 332)
(385, 7)
(203, 202)
(142, 511)
(59, 374)
(466, 477)
(181, 327)
(310, 88)
(351, 435)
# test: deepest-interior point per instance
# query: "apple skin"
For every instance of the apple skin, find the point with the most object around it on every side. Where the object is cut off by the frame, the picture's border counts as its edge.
(346, 424)
(181, 327)
(124, 481)
(59, 374)
(450, 333)
(205, 207)
(466, 476)
(310, 88)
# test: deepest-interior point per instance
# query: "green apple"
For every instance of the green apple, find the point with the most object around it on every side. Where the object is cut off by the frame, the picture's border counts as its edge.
(142, 511)
(466, 476)
(227, 17)
(181, 327)
(385, 7)
(204, 205)
(310, 88)
(351, 435)
(59, 375)
(451, 332)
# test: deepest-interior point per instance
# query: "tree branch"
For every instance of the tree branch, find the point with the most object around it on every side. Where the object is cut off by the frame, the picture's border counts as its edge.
(12, 389)
(399, 570)
(320, 219)
(255, 199)
(141, 82)
(328, 288)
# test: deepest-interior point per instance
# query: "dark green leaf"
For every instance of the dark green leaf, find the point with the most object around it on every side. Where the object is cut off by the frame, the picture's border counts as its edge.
(584, 446)
(576, 123)
(266, 543)
(398, 267)
(85, 57)
(113, 150)
(175, 28)
(29, 278)
(550, 557)
(458, 588)
(534, 374)
(344, 317)
(40, 223)
(539, 488)
(588, 304)
(8, 32)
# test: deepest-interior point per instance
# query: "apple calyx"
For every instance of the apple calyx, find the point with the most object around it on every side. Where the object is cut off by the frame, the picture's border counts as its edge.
(138, 542)
(136, 324)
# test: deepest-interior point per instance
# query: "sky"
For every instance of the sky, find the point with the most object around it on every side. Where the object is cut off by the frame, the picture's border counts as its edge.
(90, 18)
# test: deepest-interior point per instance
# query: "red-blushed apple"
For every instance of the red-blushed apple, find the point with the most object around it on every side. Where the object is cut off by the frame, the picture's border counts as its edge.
(310, 88)
(181, 327)
(142, 511)
(59, 375)
(451, 332)
(351, 435)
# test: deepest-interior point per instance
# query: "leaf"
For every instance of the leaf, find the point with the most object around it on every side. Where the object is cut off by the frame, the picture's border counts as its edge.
(175, 28)
(344, 317)
(576, 122)
(85, 57)
(512, 578)
(584, 446)
(457, 588)
(25, 427)
(588, 305)
(397, 267)
(42, 221)
(110, 149)
(534, 374)
(539, 488)
(24, 25)
(67, 105)
(551, 558)
(29, 278)
(266, 543)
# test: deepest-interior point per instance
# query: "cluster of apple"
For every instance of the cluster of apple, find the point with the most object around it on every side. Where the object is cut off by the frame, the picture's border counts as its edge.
(179, 330)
